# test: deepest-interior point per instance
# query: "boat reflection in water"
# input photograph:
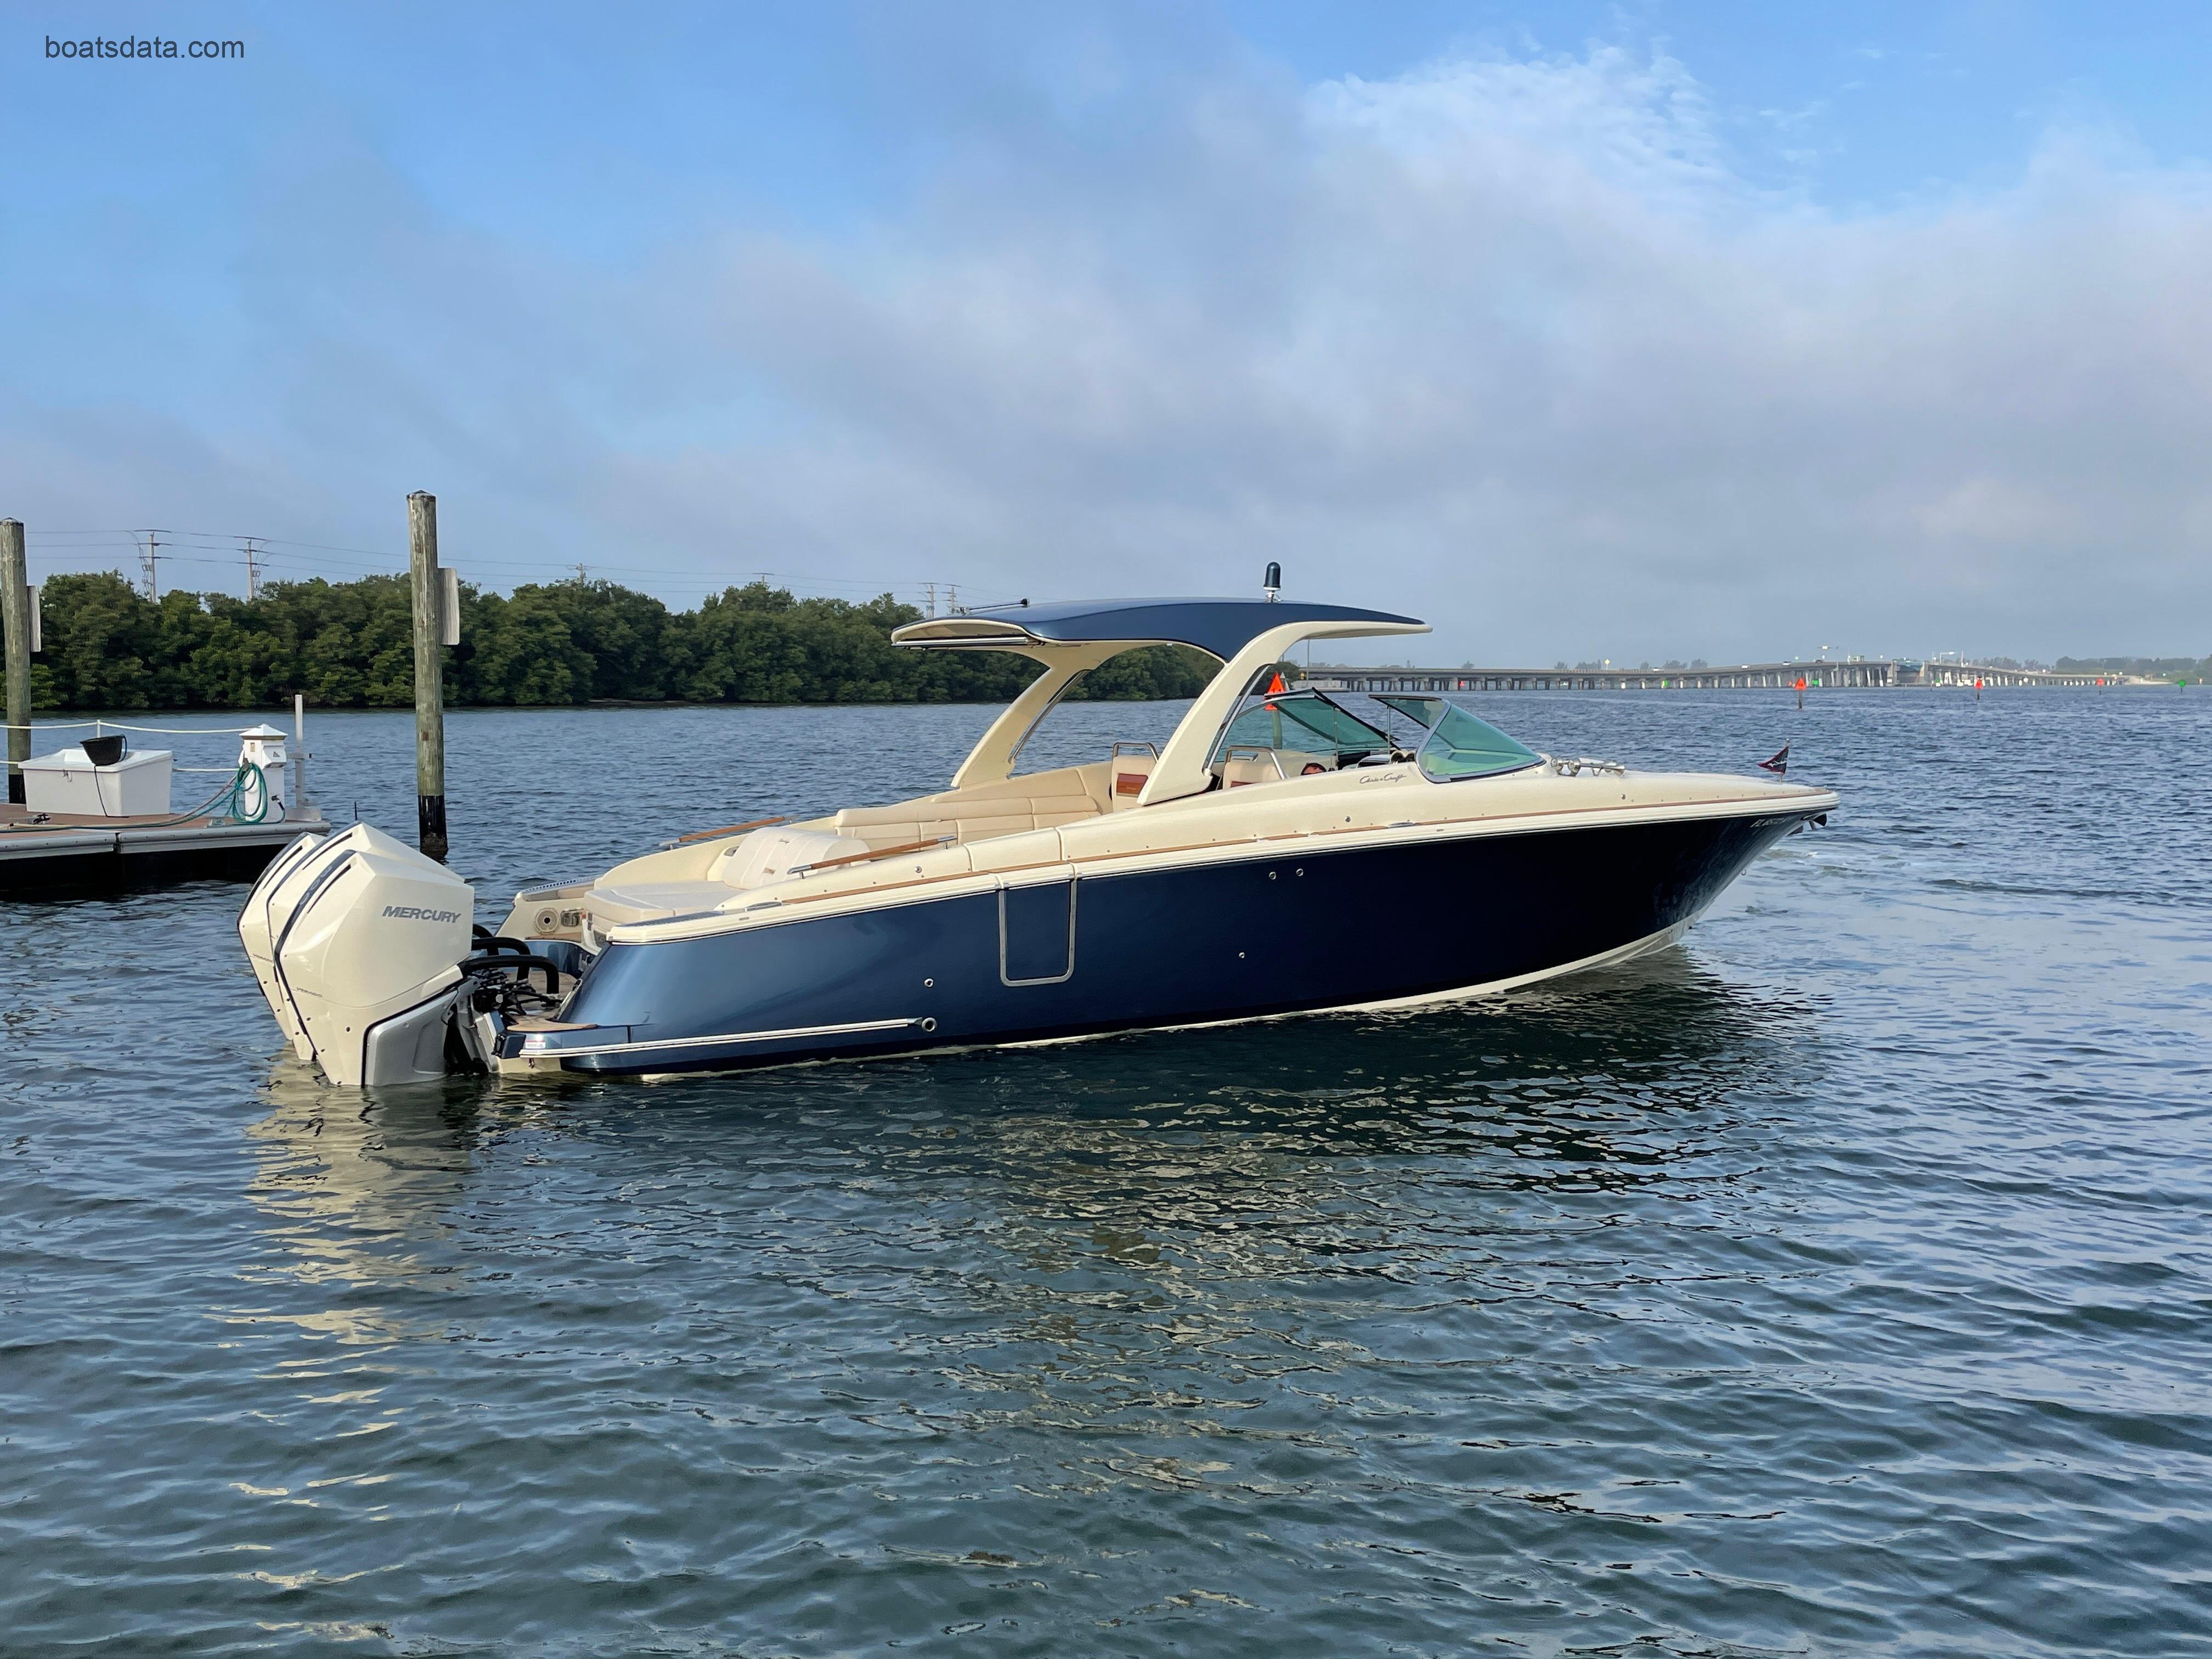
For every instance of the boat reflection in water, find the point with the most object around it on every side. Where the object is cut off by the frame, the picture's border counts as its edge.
(1643, 1078)
(1183, 1284)
(357, 1194)
(1179, 1258)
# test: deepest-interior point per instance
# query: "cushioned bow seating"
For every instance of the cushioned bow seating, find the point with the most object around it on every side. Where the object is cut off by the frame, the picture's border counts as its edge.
(1042, 800)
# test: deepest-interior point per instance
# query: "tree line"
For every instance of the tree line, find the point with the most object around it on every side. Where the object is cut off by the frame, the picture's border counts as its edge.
(349, 644)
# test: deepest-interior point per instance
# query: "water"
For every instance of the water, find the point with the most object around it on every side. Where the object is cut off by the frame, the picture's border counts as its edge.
(1839, 1282)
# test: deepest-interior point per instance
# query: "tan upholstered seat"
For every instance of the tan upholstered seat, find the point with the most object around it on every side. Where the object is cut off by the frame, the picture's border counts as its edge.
(1128, 775)
(980, 820)
(1272, 766)
(1007, 806)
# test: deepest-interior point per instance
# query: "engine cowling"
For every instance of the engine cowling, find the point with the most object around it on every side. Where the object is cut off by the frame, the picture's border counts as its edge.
(356, 938)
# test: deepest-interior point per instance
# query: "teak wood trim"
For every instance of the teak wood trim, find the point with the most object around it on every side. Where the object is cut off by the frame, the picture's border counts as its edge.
(727, 830)
(931, 845)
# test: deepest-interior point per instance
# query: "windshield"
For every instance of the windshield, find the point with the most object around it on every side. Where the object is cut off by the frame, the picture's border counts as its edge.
(1306, 722)
(1458, 744)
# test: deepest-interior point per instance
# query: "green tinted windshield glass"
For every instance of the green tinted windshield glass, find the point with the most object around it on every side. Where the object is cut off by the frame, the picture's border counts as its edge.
(1304, 721)
(1459, 745)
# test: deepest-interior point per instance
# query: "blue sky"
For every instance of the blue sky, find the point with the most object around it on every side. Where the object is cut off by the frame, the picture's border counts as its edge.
(1617, 330)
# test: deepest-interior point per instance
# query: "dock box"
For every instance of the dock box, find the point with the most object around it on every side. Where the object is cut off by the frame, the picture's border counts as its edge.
(138, 786)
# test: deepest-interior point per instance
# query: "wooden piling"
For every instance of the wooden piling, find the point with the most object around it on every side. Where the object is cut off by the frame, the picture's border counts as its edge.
(300, 755)
(15, 626)
(429, 675)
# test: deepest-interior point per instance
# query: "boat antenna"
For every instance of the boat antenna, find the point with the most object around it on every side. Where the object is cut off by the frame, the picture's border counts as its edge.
(1272, 582)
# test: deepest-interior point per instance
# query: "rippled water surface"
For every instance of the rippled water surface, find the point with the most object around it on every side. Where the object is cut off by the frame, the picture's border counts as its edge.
(1839, 1282)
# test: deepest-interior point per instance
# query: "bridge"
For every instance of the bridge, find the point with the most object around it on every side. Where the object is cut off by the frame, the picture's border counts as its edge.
(1858, 674)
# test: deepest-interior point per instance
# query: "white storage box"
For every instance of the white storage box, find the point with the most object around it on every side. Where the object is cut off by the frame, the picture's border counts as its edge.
(138, 786)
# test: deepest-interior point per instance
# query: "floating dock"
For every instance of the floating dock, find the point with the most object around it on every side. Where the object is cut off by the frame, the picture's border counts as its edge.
(75, 851)
(48, 847)
(95, 813)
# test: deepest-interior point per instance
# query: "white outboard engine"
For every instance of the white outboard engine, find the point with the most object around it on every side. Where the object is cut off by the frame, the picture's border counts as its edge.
(357, 940)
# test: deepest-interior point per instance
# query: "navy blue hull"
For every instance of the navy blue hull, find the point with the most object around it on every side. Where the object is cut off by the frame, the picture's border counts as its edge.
(1306, 930)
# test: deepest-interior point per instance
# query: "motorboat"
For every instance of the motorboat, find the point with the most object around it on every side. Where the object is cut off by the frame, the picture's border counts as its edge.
(1284, 852)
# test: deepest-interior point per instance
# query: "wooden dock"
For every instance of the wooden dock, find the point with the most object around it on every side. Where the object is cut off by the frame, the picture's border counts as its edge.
(75, 852)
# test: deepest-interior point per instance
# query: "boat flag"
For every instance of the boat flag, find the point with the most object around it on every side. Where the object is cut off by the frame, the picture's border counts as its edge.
(1779, 763)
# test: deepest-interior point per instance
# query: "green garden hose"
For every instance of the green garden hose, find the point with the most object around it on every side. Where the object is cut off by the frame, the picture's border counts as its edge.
(228, 802)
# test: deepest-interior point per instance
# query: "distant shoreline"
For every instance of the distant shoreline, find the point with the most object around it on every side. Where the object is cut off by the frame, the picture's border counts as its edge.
(63, 717)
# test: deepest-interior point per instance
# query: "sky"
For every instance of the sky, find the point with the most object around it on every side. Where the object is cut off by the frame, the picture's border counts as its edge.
(1585, 331)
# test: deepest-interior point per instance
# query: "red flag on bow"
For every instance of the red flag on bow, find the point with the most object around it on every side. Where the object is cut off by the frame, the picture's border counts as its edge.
(1778, 762)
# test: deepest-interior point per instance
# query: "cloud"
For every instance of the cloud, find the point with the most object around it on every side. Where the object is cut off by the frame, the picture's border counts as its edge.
(1511, 341)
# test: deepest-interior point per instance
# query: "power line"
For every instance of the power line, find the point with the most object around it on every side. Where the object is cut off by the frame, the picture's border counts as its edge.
(228, 536)
(265, 554)
(692, 573)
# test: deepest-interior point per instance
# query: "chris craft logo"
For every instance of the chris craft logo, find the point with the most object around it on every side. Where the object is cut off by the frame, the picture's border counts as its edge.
(153, 45)
(416, 913)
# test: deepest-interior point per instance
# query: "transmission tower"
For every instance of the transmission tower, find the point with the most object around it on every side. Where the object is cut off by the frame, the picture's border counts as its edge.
(253, 570)
(147, 557)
